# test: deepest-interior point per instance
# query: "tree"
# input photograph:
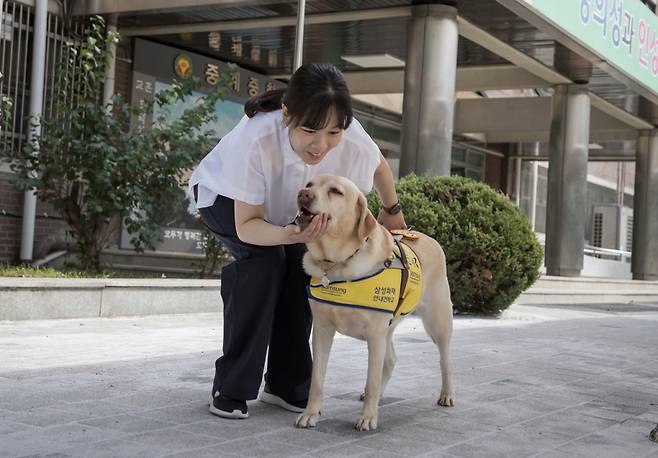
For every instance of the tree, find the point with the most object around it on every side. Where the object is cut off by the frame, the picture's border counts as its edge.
(94, 169)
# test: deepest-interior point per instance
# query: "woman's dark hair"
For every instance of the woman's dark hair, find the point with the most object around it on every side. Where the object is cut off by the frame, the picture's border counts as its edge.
(313, 91)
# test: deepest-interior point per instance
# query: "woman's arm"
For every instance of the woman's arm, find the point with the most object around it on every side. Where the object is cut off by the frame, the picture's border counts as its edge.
(385, 186)
(251, 227)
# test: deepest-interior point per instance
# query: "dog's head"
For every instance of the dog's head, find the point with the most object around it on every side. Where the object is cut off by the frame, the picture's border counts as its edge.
(341, 200)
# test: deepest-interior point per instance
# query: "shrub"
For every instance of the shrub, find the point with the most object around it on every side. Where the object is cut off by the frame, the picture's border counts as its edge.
(491, 251)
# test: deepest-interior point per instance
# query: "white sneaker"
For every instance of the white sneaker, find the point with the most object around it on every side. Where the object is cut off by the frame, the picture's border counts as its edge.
(269, 398)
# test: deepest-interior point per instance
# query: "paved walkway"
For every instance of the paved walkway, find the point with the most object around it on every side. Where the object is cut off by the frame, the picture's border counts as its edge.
(540, 381)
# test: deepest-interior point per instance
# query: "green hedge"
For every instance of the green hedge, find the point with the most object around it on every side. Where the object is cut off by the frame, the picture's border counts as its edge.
(492, 253)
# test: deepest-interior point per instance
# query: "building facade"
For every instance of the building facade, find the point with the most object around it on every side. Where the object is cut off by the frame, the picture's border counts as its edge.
(551, 102)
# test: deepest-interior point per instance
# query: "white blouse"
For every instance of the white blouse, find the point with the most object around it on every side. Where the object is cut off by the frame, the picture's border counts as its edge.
(255, 164)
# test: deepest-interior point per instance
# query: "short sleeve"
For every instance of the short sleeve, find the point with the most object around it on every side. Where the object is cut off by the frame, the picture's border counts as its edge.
(248, 179)
(367, 160)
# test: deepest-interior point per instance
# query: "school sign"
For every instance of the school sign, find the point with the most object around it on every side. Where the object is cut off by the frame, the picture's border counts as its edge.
(623, 33)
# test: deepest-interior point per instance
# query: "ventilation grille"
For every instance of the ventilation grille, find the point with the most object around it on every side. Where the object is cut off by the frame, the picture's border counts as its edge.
(597, 232)
(629, 232)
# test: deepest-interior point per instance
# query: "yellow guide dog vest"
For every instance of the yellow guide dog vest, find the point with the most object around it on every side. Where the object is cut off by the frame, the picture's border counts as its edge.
(393, 289)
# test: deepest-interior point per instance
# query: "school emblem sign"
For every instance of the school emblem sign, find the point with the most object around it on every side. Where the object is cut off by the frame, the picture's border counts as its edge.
(183, 66)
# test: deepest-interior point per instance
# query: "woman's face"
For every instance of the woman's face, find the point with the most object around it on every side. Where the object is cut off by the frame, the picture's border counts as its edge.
(313, 145)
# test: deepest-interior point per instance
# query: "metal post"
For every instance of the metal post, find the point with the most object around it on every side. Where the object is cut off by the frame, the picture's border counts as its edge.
(429, 90)
(108, 87)
(533, 189)
(566, 208)
(621, 182)
(36, 105)
(644, 261)
(517, 181)
(299, 34)
(2, 19)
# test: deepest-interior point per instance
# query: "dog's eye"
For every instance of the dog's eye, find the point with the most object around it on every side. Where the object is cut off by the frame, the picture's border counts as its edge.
(335, 191)
(309, 184)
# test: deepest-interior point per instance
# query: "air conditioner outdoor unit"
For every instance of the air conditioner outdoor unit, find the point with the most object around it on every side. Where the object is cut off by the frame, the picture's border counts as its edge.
(612, 227)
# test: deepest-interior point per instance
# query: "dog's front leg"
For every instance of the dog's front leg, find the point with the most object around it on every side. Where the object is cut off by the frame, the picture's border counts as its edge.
(376, 353)
(323, 337)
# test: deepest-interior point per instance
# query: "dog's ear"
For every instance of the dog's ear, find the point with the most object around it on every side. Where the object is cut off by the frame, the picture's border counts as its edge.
(366, 223)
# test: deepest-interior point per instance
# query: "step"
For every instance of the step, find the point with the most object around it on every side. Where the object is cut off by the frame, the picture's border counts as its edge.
(562, 290)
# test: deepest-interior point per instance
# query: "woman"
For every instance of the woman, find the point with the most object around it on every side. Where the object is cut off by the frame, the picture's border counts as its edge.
(246, 190)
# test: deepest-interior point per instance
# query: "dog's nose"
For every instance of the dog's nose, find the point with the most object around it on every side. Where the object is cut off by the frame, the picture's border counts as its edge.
(305, 196)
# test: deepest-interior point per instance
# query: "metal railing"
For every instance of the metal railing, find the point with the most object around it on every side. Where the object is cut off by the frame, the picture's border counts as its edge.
(15, 52)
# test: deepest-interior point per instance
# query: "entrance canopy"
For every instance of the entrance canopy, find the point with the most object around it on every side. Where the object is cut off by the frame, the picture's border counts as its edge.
(508, 56)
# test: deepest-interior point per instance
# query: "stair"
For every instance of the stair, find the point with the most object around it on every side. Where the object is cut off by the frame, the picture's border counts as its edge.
(589, 290)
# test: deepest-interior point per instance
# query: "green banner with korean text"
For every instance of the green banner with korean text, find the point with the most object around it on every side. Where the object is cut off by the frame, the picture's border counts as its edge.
(624, 33)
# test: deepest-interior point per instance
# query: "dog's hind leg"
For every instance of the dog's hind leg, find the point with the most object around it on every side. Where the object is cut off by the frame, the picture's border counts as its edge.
(323, 337)
(436, 315)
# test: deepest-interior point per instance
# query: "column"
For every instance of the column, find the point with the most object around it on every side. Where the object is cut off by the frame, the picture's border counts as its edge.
(644, 263)
(567, 181)
(36, 105)
(429, 90)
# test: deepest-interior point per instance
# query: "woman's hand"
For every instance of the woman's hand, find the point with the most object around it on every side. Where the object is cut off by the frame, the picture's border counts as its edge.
(315, 229)
(391, 221)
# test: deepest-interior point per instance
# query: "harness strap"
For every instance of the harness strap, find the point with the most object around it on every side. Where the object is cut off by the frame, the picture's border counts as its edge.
(404, 278)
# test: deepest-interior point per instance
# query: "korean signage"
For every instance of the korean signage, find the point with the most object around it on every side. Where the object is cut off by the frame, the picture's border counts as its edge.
(624, 33)
(242, 49)
(172, 239)
(165, 63)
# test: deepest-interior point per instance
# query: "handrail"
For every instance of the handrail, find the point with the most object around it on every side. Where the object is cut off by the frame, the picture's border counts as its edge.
(594, 250)
(591, 250)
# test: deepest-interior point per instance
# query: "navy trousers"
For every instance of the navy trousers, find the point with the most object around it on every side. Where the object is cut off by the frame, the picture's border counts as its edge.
(265, 304)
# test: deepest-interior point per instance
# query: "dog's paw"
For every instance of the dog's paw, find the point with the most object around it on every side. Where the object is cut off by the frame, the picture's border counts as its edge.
(446, 400)
(307, 420)
(366, 423)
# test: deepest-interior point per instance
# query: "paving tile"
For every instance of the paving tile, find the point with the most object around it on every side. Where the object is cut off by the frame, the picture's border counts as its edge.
(399, 445)
(76, 433)
(627, 439)
(517, 441)
(9, 427)
(352, 450)
(127, 423)
(570, 422)
(188, 412)
(172, 439)
(258, 446)
(115, 448)
(309, 439)
(222, 429)
(46, 416)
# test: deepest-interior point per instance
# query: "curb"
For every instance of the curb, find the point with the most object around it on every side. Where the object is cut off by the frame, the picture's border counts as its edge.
(56, 298)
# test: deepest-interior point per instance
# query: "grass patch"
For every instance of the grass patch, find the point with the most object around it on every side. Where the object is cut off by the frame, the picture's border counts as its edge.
(25, 271)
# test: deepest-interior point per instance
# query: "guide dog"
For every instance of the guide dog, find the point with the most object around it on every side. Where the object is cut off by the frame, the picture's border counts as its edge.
(355, 245)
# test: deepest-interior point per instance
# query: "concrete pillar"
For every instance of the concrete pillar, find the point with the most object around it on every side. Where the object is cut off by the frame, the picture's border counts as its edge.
(429, 90)
(36, 106)
(644, 263)
(567, 181)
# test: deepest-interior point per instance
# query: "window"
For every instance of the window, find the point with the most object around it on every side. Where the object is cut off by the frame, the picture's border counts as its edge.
(467, 163)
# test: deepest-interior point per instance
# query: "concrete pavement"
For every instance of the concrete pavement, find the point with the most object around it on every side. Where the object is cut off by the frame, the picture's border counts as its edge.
(539, 381)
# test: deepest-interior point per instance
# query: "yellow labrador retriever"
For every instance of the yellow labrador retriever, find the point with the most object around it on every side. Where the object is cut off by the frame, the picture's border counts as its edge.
(355, 245)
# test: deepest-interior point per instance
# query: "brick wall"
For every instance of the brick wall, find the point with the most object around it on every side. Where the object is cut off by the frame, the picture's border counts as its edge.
(49, 232)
